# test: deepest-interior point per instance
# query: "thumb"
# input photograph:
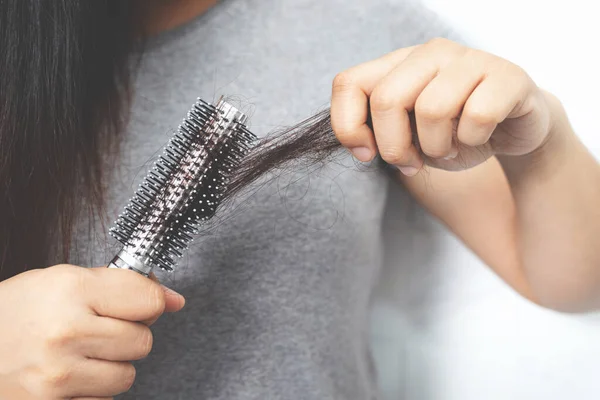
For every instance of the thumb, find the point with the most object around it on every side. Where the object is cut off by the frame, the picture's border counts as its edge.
(173, 300)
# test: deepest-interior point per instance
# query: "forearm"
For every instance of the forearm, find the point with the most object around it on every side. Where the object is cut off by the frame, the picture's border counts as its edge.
(557, 197)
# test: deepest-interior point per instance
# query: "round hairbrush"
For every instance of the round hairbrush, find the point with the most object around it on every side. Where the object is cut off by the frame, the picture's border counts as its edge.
(183, 189)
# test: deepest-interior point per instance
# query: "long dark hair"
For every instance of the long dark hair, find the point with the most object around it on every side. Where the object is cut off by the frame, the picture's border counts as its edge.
(64, 83)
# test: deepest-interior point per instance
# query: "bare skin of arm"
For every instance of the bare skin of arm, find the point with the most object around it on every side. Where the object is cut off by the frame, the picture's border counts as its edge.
(496, 160)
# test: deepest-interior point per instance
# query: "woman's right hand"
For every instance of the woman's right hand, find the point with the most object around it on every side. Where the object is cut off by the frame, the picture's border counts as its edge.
(68, 332)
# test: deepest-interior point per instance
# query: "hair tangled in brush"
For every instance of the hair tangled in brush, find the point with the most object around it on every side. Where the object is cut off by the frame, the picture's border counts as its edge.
(312, 141)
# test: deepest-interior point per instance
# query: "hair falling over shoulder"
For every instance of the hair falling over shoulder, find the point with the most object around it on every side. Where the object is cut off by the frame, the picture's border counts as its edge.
(63, 100)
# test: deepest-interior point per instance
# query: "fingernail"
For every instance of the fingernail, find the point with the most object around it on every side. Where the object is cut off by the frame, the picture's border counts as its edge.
(171, 292)
(362, 154)
(408, 170)
(452, 155)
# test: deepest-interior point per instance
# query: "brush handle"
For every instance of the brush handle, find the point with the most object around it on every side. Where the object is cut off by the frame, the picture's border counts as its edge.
(124, 260)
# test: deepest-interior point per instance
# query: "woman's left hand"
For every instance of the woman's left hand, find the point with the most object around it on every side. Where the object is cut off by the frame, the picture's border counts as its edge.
(440, 103)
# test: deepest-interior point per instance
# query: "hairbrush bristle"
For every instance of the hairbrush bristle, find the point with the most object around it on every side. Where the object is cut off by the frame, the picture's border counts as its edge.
(185, 186)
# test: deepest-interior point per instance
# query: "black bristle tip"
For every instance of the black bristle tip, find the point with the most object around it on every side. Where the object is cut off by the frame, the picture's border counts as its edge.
(185, 186)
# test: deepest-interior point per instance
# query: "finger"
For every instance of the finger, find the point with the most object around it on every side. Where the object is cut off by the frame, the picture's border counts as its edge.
(124, 294)
(494, 99)
(173, 301)
(116, 340)
(439, 105)
(98, 379)
(349, 103)
(395, 96)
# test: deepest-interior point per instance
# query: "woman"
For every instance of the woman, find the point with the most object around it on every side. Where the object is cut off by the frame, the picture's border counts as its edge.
(277, 295)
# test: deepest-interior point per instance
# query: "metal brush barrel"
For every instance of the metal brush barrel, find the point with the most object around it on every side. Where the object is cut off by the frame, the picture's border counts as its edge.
(124, 260)
(183, 189)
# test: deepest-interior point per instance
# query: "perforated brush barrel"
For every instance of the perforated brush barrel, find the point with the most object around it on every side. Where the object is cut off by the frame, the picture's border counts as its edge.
(183, 189)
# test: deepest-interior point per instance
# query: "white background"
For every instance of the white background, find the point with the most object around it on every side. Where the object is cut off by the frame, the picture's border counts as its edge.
(444, 327)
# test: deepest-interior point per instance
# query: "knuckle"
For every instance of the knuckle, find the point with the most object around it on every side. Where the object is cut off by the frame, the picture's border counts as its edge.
(504, 66)
(145, 341)
(347, 132)
(383, 101)
(446, 48)
(432, 111)
(56, 378)
(64, 268)
(66, 279)
(439, 42)
(479, 116)
(343, 82)
(156, 299)
(521, 76)
(32, 380)
(59, 336)
(343, 132)
(480, 57)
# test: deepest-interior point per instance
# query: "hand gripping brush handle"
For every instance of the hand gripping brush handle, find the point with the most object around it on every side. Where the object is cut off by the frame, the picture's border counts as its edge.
(183, 189)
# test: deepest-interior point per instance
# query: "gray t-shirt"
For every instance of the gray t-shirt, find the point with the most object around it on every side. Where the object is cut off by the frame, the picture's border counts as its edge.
(278, 288)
